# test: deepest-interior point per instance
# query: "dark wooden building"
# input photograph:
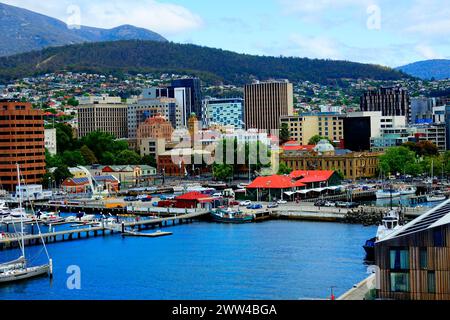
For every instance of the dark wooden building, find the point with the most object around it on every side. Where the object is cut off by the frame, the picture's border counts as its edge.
(414, 261)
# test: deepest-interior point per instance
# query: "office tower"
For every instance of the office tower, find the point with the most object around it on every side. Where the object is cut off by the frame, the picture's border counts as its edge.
(422, 110)
(21, 142)
(266, 102)
(224, 112)
(305, 126)
(105, 117)
(194, 85)
(392, 101)
(169, 108)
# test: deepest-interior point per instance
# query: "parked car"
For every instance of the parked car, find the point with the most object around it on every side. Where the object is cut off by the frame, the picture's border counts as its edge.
(319, 203)
(245, 203)
(129, 199)
(281, 202)
(234, 203)
(217, 195)
(329, 204)
(255, 206)
(272, 205)
(147, 199)
(343, 204)
(155, 204)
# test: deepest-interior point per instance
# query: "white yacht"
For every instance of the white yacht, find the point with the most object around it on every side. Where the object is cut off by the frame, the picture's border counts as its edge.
(19, 269)
(408, 190)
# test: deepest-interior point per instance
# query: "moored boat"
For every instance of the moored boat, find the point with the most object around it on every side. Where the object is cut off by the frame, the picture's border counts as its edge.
(387, 193)
(230, 216)
(436, 197)
(390, 223)
(408, 190)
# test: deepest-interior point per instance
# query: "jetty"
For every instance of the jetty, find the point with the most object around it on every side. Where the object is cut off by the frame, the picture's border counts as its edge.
(103, 230)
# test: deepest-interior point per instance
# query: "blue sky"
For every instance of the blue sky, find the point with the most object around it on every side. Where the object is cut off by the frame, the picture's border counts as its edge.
(386, 32)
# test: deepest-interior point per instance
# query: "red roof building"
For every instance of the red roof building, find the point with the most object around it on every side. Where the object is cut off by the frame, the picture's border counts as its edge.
(312, 176)
(192, 200)
(274, 182)
(295, 146)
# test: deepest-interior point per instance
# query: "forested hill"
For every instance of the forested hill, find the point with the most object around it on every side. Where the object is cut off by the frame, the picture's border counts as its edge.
(215, 64)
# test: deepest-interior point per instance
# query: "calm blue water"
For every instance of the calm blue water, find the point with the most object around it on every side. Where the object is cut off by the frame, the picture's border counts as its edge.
(270, 260)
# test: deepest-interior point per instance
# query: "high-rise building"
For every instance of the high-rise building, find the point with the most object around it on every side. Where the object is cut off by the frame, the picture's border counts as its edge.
(447, 125)
(435, 133)
(147, 108)
(422, 110)
(224, 112)
(361, 127)
(21, 142)
(392, 101)
(194, 86)
(305, 126)
(50, 141)
(105, 117)
(266, 103)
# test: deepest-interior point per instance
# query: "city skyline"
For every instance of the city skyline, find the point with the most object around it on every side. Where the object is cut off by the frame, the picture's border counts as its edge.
(391, 34)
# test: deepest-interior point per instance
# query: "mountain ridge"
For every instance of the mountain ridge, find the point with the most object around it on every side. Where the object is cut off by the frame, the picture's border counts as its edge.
(24, 30)
(137, 56)
(438, 69)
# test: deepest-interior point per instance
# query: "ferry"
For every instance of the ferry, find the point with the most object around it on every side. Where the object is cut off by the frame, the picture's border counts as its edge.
(389, 224)
(231, 216)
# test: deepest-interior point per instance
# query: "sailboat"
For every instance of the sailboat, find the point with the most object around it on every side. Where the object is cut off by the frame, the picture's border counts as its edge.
(18, 269)
(434, 196)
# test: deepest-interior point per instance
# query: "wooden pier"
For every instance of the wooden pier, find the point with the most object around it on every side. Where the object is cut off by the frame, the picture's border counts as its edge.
(86, 233)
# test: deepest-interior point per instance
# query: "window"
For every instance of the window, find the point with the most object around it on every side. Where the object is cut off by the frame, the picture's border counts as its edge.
(423, 256)
(431, 282)
(399, 282)
(399, 259)
(438, 237)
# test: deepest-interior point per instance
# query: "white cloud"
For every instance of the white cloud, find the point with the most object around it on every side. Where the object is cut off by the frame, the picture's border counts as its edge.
(314, 47)
(427, 52)
(162, 17)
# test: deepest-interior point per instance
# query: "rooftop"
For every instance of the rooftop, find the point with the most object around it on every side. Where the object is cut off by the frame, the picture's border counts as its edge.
(436, 217)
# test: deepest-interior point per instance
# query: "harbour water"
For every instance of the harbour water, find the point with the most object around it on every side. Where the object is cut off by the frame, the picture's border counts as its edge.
(270, 260)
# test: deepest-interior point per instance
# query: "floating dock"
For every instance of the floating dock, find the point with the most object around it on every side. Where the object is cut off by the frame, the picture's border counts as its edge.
(146, 235)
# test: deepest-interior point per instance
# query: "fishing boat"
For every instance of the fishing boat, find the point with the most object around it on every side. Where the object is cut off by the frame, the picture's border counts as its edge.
(408, 190)
(390, 223)
(436, 196)
(387, 193)
(19, 269)
(230, 216)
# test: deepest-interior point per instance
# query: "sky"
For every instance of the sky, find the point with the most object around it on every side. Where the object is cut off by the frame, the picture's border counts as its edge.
(386, 32)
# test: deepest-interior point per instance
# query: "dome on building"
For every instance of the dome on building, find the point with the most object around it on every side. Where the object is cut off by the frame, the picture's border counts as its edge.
(324, 146)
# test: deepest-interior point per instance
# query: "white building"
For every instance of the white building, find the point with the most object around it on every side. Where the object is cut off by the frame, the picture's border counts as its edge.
(50, 141)
(103, 99)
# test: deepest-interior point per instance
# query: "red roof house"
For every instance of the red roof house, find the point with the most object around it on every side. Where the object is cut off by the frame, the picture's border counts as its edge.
(193, 199)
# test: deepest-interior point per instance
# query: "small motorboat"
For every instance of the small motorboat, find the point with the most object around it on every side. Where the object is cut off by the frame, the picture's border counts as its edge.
(387, 193)
(408, 191)
(231, 216)
(436, 197)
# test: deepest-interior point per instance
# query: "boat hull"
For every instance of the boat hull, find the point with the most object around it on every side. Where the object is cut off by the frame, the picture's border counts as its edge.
(387, 195)
(28, 273)
(436, 199)
(238, 220)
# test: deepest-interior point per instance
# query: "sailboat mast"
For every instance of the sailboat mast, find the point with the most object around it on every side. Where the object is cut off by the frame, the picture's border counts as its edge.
(20, 211)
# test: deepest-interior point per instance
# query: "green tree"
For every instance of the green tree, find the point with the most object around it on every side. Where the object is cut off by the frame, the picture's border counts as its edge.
(285, 135)
(284, 169)
(73, 102)
(222, 171)
(108, 158)
(316, 139)
(396, 159)
(61, 173)
(126, 157)
(64, 138)
(73, 158)
(53, 161)
(149, 160)
(88, 155)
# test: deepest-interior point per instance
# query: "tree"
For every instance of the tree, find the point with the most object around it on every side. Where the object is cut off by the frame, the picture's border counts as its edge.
(52, 161)
(73, 158)
(316, 139)
(64, 138)
(107, 158)
(149, 160)
(73, 102)
(88, 155)
(222, 171)
(284, 169)
(127, 157)
(396, 160)
(423, 148)
(47, 180)
(61, 173)
(285, 135)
